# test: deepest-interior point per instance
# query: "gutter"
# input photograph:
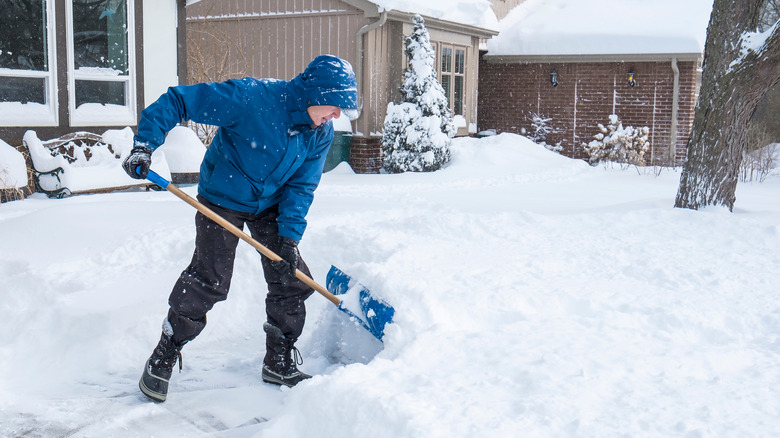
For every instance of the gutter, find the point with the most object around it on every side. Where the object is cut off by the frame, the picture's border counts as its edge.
(359, 43)
(675, 108)
(626, 57)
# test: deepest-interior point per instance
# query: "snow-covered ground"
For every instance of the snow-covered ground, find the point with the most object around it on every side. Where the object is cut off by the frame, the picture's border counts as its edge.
(534, 296)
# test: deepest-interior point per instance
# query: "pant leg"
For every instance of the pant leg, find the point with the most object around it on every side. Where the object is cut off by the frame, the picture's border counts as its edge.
(206, 280)
(284, 304)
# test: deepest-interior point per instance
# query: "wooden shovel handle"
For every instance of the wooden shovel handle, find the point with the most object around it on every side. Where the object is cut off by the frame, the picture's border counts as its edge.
(157, 179)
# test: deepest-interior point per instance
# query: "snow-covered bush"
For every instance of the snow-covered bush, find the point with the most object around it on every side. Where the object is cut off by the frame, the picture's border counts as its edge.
(13, 169)
(541, 129)
(419, 130)
(619, 144)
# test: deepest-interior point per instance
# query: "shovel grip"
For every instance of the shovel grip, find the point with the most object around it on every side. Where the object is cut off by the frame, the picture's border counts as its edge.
(162, 182)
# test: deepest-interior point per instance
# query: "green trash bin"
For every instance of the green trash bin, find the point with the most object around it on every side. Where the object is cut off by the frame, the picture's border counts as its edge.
(339, 150)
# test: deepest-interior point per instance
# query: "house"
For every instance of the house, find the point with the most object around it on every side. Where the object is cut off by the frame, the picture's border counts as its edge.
(578, 62)
(278, 39)
(78, 65)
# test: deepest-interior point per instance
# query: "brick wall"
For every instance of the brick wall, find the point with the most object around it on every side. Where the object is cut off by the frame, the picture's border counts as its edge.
(587, 93)
(365, 154)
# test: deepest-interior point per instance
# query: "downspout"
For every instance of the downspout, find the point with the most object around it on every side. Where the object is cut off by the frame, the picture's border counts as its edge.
(675, 107)
(359, 40)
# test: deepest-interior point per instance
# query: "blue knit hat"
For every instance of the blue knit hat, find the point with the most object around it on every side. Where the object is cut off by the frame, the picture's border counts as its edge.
(329, 80)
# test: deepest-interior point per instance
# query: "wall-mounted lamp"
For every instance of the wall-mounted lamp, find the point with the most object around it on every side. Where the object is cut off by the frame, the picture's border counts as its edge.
(554, 78)
(631, 81)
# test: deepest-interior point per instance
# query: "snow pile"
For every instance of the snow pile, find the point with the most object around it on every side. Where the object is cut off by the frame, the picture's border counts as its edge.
(534, 295)
(183, 150)
(597, 27)
(13, 169)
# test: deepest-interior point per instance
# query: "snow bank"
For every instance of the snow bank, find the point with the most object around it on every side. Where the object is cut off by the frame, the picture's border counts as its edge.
(534, 295)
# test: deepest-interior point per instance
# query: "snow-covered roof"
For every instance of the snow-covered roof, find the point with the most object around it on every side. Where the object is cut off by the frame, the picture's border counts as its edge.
(602, 27)
(477, 13)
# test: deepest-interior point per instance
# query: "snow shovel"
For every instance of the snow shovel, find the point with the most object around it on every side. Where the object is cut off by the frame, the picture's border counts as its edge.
(374, 313)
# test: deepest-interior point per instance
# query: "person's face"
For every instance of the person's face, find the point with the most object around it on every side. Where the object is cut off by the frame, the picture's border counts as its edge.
(322, 113)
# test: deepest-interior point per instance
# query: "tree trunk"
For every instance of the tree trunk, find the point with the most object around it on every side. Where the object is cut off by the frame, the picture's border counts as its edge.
(735, 77)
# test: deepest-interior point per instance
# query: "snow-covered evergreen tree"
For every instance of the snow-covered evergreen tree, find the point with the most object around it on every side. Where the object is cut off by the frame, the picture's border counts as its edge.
(419, 130)
(618, 144)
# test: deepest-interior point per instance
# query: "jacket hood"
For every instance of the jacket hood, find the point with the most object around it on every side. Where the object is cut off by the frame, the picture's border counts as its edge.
(329, 80)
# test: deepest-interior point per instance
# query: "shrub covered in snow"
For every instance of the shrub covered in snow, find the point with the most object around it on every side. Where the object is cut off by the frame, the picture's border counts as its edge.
(541, 129)
(13, 169)
(618, 144)
(418, 131)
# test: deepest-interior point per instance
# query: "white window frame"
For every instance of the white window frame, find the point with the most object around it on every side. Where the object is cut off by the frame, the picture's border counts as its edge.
(453, 73)
(35, 114)
(109, 115)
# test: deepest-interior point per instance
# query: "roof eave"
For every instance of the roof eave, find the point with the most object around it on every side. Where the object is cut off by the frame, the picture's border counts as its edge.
(435, 23)
(370, 10)
(628, 57)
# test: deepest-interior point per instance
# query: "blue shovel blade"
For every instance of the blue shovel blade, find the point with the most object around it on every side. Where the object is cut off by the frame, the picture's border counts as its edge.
(374, 313)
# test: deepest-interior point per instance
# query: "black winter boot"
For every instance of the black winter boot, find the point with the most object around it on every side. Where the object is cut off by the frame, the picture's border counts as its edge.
(281, 358)
(159, 367)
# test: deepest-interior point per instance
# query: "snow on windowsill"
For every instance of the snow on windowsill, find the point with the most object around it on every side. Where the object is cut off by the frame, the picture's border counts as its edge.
(26, 114)
(98, 71)
(98, 114)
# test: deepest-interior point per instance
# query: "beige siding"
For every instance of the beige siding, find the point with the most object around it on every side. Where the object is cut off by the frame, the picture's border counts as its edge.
(382, 71)
(273, 38)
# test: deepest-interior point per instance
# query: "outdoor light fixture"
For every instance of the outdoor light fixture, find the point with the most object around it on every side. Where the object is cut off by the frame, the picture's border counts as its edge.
(631, 81)
(554, 78)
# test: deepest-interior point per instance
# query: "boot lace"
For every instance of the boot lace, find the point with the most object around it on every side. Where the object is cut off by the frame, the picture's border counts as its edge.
(167, 354)
(296, 358)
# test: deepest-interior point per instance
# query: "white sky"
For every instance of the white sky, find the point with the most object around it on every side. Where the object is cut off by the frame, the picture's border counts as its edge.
(581, 27)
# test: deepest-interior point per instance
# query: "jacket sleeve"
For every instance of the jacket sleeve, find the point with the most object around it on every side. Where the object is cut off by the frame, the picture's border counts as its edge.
(216, 103)
(298, 191)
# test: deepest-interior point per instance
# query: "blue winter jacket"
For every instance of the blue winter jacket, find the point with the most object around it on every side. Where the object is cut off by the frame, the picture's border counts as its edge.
(265, 152)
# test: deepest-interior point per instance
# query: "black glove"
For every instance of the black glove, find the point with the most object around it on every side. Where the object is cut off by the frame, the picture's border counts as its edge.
(137, 163)
(287, 249)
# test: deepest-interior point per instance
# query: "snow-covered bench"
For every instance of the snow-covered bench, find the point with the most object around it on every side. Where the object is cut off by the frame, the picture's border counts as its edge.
(84, 162)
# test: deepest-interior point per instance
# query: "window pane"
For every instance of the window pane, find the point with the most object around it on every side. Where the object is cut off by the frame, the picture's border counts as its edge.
(446, 80)
(100, 34)
(23, 35)
(100, 92)
(460, 56)
(446, 59)
(457, 96)
(23, 90)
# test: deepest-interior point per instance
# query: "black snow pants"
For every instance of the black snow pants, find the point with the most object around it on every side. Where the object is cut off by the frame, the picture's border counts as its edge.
(206, 280)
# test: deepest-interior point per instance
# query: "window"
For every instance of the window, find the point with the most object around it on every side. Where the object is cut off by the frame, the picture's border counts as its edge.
(27, 63)
(101, 83)
(452, 73)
